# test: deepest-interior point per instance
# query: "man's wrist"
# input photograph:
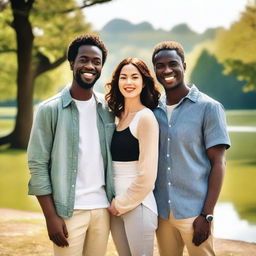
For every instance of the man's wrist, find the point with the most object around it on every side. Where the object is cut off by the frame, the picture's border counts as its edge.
(208, 217)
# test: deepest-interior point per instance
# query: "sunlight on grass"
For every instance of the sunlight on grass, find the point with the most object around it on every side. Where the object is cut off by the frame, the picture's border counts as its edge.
(241, 117)
(14, 180)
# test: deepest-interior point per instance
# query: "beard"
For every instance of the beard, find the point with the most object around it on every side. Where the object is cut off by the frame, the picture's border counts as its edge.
(83, 84)
(167, 89)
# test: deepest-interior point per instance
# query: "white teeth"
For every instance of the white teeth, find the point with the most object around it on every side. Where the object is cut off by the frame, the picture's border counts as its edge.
(169, 78)
(88, 74)
(129, 89)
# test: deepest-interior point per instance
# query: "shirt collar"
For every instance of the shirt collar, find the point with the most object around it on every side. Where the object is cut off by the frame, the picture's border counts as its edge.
(192, 95)
(67, 98)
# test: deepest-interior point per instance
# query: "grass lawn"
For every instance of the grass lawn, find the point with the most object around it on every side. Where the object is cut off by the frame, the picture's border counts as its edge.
(241, 117)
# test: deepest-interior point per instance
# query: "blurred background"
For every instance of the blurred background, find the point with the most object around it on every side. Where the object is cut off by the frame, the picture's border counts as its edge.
(219, 38)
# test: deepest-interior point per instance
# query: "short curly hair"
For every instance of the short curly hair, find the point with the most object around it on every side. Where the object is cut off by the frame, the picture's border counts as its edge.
(149, 95)
(86, 39)
(169, 45)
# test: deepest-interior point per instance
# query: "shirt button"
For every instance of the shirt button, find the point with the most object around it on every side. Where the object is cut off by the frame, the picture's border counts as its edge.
(169, 125)
(169, 168)
(73, 186)
(167, 155)
(169, 139)
(169, 201)
(169, 183)
(74, 171)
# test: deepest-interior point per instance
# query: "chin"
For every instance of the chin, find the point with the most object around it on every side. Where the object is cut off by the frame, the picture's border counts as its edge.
(171, 87)
(85, 84)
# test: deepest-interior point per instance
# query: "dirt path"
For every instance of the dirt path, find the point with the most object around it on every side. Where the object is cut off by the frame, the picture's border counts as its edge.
(24, 233)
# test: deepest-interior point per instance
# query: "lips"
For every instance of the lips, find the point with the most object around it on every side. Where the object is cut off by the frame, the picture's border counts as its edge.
(129, 89)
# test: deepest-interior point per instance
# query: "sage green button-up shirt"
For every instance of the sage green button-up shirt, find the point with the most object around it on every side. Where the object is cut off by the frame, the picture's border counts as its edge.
(53, 149)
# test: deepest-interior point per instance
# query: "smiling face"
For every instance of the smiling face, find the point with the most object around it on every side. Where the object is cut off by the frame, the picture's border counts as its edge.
(87, 66)
(130, 81)
(169, 69)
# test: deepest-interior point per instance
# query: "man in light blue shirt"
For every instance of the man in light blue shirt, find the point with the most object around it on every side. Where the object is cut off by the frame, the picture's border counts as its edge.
(193, 141)
(69, 156)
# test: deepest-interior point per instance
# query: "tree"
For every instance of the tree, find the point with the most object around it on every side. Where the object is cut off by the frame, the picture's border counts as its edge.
(208, 75)
(42, 29)
(235, 47)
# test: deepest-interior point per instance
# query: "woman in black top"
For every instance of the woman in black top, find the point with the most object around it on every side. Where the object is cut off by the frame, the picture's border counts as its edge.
(134, 148)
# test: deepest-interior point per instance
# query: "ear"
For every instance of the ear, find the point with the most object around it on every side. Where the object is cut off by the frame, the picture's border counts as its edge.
(71, 63)
(185, 66)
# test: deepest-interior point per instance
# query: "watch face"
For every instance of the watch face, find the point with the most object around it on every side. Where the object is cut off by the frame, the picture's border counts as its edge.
(209, 218)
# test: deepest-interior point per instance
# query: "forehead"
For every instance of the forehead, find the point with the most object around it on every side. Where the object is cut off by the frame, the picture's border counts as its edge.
(167, 55)
(89, 51)
(129, 68)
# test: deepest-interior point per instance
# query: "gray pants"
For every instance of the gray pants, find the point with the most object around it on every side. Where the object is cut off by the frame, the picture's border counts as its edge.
(133, 232)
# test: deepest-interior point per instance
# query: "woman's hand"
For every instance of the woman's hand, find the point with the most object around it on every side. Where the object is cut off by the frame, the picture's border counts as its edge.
(112, 209)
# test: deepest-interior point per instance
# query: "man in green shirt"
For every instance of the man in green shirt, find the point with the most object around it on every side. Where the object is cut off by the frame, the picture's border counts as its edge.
(69, 157)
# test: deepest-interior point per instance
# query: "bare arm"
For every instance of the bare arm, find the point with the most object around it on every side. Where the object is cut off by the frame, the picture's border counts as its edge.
(202, 228)
(56, 226)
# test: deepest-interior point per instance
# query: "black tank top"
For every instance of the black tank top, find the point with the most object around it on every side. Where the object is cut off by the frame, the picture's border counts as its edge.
(124, 146)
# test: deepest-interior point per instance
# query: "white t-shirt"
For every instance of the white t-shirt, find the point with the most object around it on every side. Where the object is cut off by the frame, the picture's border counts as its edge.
(169, 111)
(90, 181)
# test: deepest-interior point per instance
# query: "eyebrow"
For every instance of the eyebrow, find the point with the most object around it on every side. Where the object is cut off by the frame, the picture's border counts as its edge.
(134, 74)
(85, 56)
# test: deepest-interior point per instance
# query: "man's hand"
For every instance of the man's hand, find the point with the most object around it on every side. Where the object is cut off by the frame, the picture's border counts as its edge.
(202, 230)
(57, 230)
(112, 209)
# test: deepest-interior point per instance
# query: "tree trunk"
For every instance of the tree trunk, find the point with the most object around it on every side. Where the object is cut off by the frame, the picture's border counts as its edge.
(25, 80)
(25, 83)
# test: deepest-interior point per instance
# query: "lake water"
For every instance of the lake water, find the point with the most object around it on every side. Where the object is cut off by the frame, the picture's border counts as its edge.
(241, 129)
(228, 225)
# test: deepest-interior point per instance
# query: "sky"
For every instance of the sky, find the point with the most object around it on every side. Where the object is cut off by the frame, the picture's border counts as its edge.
(165, 14)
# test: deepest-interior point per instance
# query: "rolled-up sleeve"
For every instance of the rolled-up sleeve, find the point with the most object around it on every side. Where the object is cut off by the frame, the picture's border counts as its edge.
(39, 152)
(215, 126)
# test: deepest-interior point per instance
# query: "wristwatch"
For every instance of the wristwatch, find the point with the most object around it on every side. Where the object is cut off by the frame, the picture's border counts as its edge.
(208, 217)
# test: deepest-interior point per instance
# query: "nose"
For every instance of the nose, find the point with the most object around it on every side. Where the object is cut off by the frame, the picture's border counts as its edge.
(167, 69)
(129, 80)
(89, 65)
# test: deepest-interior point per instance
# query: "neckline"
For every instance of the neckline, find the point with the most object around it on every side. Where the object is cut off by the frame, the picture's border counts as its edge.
(131, 120)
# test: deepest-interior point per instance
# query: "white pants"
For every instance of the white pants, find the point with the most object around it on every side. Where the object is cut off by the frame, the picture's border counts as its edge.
(133, 232)
(88, 232)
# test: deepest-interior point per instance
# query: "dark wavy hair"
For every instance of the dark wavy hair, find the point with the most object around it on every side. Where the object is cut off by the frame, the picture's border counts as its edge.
(149, 95)
(86, 39)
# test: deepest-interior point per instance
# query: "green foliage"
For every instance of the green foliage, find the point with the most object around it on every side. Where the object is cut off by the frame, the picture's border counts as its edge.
(8, 76)
(53, 30)
(7, 56)
(235, 47)
(208, 76)
(243, 71)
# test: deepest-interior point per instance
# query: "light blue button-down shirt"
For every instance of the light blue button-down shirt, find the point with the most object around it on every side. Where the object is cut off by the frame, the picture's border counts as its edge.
(53, 150)
(197, 123)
